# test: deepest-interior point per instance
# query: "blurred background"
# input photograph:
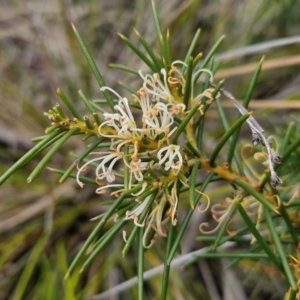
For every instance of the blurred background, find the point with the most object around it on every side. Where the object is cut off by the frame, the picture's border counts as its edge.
(39, 53)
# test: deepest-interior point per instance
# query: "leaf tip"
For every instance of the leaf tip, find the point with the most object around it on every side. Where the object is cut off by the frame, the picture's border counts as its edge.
(136, 32)
(67, 275)
(73, 26)
(121, 35)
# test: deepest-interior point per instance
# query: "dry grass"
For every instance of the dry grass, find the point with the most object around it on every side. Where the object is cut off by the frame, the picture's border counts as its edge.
(38, 53)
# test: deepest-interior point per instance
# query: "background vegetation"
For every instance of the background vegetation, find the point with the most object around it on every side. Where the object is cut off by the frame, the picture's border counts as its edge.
(39, 53)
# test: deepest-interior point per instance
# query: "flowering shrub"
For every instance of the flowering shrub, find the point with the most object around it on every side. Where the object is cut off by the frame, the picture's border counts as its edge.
(148, 154)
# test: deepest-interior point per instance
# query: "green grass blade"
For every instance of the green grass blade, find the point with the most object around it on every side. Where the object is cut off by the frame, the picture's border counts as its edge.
(29, 267)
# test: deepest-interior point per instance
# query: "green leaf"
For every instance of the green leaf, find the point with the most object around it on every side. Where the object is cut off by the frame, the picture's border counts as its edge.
(90, 108)
(138, 52)
(150, 52)
(188, 83)
(289, 224)
(140, 264)
(191, 49)
(104, 240)
(281, 252)
(166, 273)
(212, 51)
(237, 124)
(94, 68)
(69, 105)
(162, 43)
(223, 227)
(99, 227)
(250, 190)
(80, 158)
(125, 68)
(184, 123)
(46, 142)
(38, 169)
(141, 219)
(232, 152)
(253, 84)
(169, 56)
(287, 137)
(258, 236)
(192, 185)
(186, 219)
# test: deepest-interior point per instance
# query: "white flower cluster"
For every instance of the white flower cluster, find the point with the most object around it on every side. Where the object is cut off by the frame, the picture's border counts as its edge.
(141, 143)
(151, 138)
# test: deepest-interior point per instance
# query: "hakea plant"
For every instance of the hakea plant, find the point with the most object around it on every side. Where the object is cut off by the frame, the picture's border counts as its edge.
(148, 151)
